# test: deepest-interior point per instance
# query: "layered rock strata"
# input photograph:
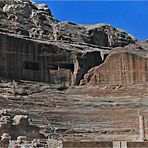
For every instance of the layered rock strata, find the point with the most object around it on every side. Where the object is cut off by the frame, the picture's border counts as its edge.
(124, 66)
(36, 46)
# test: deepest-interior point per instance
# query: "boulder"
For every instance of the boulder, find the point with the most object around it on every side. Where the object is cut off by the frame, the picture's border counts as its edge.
(5, 136)
(8, 9)
(21, 120)
(5, 139)
(44, 8)
(21, 139)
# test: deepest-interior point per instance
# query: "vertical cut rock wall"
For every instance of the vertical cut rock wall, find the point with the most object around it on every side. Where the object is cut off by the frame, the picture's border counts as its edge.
(121, 68)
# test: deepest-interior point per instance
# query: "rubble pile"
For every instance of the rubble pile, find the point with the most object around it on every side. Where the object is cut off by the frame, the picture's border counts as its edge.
(17, 125)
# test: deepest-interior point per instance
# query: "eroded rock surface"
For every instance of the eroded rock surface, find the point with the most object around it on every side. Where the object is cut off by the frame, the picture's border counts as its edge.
(49, 50)
(123, 67)
(17, 125)
(79, 113)
(37, 47)
(35, 20)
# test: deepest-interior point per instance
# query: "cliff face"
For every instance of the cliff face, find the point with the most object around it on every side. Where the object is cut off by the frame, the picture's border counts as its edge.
(36, 46)
(121, 68)
(35, 20)
(25, 17)
(124, 66)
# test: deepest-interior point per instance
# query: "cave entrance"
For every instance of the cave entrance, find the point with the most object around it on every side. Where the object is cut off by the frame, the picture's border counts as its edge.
(66, 66)
(99, 38)
(61, 73)
(29, 65)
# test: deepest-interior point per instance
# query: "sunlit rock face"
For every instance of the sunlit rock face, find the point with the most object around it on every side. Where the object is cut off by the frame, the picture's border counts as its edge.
(28, 18)
(123, 66)
(61, 52)
(98, 34)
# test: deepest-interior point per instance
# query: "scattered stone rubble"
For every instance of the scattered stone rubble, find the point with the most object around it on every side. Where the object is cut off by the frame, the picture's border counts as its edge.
(18, 131)
(74, 114)
(17, 126)
(35, 143)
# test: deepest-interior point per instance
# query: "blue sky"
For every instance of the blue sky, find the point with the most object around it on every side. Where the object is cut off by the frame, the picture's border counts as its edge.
(131, 16)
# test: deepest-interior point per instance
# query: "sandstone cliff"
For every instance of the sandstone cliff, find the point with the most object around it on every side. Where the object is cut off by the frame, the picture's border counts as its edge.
(35, 46)
(35, 20)
(53, 51)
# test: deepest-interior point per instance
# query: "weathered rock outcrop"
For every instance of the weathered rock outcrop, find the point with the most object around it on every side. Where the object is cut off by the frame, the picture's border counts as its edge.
(18, 125)
(52, 62)
(35, 20)
(36, 46)
(99, 34)
(26, 18)
(124, 66)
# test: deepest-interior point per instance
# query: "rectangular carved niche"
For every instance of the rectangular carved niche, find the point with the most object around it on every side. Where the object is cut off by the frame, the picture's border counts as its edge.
(29, 65)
